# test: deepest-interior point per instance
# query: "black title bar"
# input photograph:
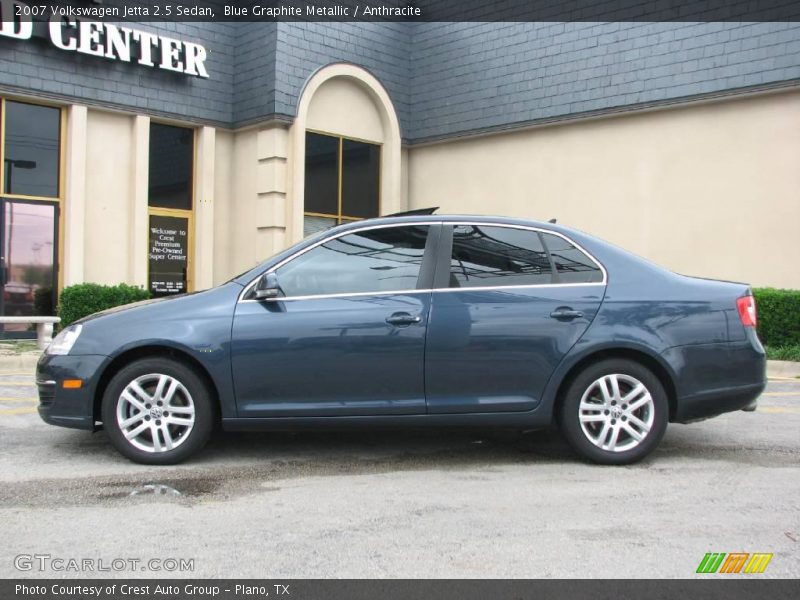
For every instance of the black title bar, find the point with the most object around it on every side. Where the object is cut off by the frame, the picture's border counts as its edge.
(735, 587)
(410, 10)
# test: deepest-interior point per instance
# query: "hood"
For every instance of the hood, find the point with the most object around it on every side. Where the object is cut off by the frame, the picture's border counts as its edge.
(132, 305)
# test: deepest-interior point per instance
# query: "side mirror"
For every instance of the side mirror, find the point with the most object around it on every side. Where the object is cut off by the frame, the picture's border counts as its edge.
(267, 287)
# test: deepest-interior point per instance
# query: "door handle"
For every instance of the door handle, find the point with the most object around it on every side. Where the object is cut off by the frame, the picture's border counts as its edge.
(402, 319)
(566, 312)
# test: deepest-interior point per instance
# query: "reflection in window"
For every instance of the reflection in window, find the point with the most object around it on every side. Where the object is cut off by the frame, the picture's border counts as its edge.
(171, 164)
(572, 265)
(322, 174)
(28, 250)
(497, 256)
(31, 160)
(377, 260)
(342, 181)
(360, 169)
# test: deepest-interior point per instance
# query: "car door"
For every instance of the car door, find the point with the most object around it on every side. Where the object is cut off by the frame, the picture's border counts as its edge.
(509, 303)
(347, 335)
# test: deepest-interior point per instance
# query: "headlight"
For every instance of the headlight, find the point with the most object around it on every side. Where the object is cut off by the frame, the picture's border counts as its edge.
(64, 341)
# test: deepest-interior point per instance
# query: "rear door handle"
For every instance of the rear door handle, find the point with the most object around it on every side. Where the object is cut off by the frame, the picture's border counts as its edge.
(402, 319)
(565, 312)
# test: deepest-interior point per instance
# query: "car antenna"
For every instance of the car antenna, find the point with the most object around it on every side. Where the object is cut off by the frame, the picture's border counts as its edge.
(552, 221)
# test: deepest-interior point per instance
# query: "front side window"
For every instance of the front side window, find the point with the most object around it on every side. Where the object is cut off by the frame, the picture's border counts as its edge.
(376, 260)
(342, 181)
(485, 256)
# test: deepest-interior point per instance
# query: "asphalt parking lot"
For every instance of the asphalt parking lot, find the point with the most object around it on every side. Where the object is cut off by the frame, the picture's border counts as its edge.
(413, 504)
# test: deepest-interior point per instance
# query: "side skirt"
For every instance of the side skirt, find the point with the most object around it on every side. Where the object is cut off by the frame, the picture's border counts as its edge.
(518, 420)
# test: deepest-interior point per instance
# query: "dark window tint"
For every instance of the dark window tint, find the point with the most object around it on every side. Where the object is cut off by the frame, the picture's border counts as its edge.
(377, 260)
(31, 150)
(494, 256)
(322, 174)
(171, 163)
(360, 179)
(572, 265)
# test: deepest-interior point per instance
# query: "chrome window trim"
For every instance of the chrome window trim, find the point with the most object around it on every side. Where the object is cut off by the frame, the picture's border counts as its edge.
(325, 240)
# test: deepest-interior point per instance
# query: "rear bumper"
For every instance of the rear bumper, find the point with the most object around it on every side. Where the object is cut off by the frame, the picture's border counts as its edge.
(717, 378)
(72, 408)
(717, 402)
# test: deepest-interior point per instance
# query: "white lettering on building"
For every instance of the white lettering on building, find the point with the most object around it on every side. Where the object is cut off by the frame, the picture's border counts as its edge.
(106, 40)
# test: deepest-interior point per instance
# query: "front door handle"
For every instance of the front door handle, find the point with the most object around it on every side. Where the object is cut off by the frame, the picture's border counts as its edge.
(565, 312)
(402, 319)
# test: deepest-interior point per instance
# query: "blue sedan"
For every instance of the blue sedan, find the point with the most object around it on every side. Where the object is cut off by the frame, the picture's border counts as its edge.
(411, 321)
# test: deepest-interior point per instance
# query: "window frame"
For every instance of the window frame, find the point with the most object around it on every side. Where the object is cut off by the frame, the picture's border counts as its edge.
(60, 199)
(442, 277)
(341, 218)
(435, 262)
(181, 213)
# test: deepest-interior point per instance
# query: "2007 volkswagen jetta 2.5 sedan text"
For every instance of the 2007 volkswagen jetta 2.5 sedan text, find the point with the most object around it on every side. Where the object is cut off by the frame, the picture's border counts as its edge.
(411, 321)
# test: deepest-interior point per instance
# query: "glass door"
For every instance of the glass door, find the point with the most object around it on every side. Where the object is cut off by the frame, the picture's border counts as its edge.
(28, 261)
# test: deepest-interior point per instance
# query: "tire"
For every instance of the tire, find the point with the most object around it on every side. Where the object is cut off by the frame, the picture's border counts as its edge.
(594, 422)
(150, 433)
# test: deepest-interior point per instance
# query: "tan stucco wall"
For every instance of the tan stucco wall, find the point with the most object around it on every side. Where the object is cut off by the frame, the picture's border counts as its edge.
(341, 107)
(108, 197)
(710, 190)
(224, 240)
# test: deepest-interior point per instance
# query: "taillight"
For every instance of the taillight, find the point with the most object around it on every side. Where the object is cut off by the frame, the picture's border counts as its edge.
(747, 310)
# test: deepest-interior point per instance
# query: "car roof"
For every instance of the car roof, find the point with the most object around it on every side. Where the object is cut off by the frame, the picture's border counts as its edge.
(448, 219)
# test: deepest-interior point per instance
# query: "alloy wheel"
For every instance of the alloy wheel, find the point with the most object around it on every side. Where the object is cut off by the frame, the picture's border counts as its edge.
(155, 413)
(616, 412)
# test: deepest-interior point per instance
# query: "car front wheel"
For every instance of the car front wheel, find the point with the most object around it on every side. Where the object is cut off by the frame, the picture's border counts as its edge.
(157, 411)
(614, 412)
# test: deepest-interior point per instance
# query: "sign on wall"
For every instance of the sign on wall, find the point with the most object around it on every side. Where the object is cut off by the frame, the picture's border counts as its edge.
(104, 40)
(169, 255)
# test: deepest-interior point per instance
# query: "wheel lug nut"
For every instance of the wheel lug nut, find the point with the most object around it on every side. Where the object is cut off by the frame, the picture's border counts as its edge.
(166, 414)
(624, 418)
(158, 421)
(613, 421)
(606, 412)
(147, 418)
(159, 402)
(613, 402)
(147, 406)
(624, 406)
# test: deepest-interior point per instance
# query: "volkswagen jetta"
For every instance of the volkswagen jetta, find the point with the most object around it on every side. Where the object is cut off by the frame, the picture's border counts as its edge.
(410, 321)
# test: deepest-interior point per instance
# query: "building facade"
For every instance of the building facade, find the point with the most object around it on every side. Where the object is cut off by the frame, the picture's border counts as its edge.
(177, 167)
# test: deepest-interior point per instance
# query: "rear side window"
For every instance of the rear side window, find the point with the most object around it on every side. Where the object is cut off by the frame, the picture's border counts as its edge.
(571, 264)
(375, 260)
(485, 256)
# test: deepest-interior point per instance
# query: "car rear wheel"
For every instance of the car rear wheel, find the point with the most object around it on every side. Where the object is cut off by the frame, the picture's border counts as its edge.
(157, 411)
(614, 412)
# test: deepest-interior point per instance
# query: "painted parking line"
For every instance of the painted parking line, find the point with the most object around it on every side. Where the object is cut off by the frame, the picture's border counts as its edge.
(781, 393)
(16, 384)
(789, 379)
(18, 399)
(779, 409)
(17, 411)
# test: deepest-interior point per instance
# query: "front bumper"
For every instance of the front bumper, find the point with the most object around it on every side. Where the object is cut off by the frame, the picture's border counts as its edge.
(68, 407)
